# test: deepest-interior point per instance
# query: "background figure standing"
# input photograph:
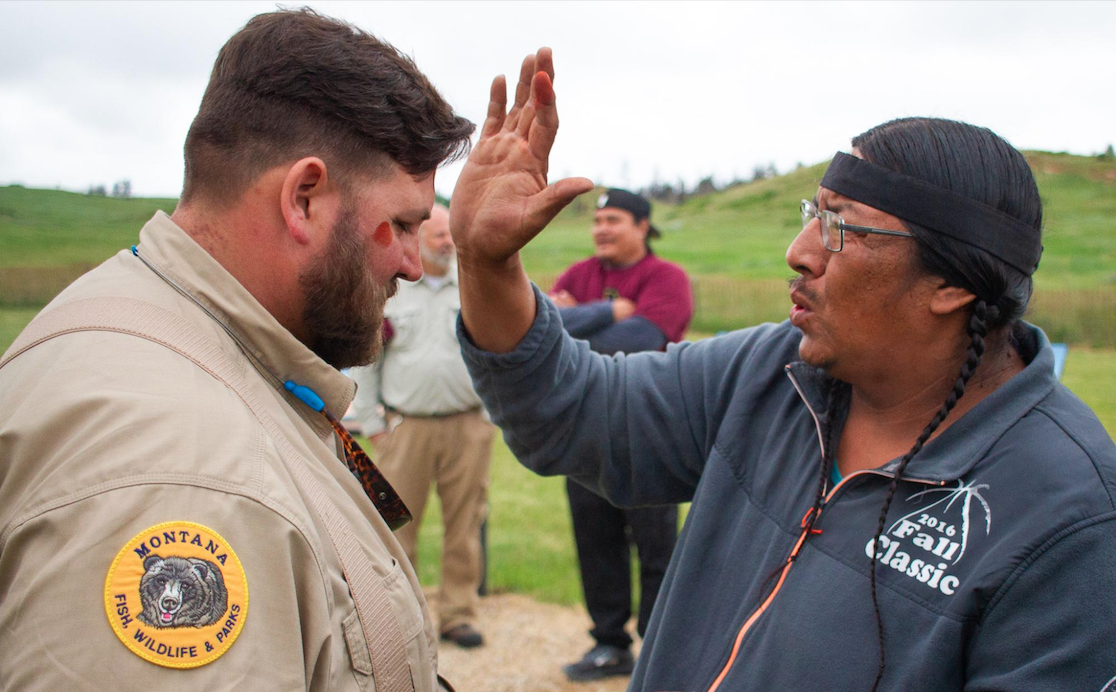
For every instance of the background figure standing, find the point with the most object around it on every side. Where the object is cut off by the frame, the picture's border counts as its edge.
(432, 427)
(623, 299)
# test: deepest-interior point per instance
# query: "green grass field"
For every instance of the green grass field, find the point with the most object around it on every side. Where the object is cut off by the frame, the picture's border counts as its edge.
(1091, 375)
(50, 228)
(740, 232)
(542, 562)
(12, 322)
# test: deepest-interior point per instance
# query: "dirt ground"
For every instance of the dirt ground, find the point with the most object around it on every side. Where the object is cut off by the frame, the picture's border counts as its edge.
(526, 644)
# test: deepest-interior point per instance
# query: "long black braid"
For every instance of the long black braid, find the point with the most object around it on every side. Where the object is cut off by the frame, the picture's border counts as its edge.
(976, 163)
(977, 329)
(829, 453)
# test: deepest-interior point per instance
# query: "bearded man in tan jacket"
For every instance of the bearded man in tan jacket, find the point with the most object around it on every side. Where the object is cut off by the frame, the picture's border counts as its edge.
(178, 509)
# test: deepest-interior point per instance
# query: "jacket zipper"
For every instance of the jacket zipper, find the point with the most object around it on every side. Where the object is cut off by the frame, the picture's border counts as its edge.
(759, 611)
(806, 530)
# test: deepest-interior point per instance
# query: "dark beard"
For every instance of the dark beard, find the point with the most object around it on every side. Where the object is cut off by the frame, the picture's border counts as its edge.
(344, 312)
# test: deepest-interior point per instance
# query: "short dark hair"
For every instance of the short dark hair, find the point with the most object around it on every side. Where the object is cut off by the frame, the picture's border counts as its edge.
(295, 83)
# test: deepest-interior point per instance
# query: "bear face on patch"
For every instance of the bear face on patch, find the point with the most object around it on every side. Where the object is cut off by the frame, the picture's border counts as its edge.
(181, 592)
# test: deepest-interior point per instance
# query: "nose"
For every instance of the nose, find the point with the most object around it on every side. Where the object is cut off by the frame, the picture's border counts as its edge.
(411, 266)
(806, 254)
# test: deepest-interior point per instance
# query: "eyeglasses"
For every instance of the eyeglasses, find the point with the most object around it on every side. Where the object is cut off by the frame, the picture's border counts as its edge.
(833, 227)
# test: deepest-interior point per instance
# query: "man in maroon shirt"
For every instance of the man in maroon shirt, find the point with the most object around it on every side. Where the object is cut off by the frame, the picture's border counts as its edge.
(623, 299)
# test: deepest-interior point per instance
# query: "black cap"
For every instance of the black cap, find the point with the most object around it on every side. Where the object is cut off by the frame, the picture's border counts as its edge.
(639, 207)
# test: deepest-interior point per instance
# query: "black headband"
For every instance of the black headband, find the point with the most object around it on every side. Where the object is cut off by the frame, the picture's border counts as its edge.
(937, 209)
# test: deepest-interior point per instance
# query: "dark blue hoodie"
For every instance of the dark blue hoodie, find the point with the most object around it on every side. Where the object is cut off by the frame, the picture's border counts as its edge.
(997, 567)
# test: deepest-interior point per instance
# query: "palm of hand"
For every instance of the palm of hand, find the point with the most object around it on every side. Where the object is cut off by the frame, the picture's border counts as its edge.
(502, 198)
(496, 187)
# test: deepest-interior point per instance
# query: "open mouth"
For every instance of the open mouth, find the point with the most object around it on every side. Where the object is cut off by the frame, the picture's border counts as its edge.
(800, 310)
(166, 616)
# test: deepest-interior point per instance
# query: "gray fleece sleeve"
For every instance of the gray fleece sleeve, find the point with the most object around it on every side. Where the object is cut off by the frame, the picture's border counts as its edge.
(633, 427)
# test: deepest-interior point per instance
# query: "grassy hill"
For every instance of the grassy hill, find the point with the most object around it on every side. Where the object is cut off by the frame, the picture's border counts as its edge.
(733, 243)
(740, 232)
(50, 228)
(744, 231)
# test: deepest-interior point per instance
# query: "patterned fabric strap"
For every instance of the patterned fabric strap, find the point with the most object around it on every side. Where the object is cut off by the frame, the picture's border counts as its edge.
(383, 496)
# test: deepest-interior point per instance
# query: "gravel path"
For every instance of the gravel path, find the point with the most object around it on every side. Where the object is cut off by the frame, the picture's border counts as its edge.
(526, 645)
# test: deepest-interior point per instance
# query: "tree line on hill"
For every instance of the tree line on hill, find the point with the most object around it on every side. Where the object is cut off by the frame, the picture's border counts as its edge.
(675, 193)
(678, 193)
(121, 189)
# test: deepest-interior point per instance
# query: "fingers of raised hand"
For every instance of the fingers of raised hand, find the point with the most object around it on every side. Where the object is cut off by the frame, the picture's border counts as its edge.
(526, 119)
(497, 105)
(522, 90)
(545, 205)
(544, 62)
(544, 127)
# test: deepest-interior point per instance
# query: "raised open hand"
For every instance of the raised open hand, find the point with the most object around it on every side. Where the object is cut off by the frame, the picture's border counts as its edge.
(502, 198)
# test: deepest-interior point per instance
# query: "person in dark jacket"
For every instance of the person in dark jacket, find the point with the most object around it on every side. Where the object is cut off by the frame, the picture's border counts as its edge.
(890, 489)
(624, 298)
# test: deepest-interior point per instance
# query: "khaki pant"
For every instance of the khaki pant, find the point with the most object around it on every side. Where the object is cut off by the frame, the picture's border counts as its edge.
(453, 451)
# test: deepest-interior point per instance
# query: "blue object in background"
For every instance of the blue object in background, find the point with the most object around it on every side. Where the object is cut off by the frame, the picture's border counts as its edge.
(1060, 351)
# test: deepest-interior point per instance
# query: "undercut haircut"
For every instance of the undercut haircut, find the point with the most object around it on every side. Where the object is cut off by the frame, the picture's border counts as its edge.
(295, 83)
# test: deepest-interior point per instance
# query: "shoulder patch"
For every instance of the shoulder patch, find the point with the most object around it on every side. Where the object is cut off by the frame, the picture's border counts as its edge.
(177, 595)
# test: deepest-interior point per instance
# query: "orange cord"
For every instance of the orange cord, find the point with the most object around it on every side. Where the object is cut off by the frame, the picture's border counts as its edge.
(755, 616)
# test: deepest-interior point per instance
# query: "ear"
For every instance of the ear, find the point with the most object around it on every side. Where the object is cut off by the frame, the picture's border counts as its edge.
(200, 568)
(308, 200)
(645, 227)
(150, 561)
(948, 299)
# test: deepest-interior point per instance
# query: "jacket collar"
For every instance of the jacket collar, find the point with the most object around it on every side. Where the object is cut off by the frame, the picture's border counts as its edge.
(951, 455)
(173, 252)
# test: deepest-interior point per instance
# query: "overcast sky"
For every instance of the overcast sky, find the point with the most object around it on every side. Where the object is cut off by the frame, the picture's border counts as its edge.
(93, 92)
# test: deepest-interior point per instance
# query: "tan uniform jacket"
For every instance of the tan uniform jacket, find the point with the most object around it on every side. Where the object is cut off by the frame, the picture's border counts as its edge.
(104, 435)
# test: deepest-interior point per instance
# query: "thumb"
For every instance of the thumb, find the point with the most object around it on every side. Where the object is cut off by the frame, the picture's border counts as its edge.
(545, 205)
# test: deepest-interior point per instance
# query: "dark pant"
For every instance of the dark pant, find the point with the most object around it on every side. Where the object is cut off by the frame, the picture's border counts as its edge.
(604, 535)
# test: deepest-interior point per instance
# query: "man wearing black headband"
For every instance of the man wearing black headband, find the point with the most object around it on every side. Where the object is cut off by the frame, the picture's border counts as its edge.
(890, 490)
